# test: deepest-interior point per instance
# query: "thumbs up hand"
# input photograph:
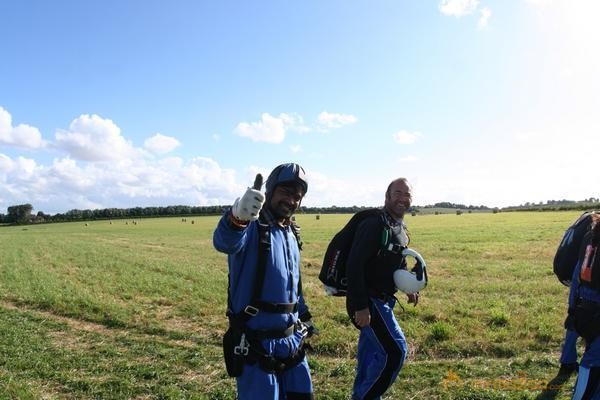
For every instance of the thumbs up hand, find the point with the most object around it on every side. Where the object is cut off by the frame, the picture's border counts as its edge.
(247, 207)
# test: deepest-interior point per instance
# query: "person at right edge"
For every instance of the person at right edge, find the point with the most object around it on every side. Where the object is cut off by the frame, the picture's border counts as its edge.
(584, 313)
(370, 296)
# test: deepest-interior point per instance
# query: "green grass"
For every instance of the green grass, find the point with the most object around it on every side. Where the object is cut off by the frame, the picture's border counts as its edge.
(137, 311)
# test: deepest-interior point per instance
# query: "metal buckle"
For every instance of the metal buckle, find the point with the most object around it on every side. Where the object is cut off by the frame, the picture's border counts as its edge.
(302, 329)
(243, 347)
(252, 311)
(394, 248)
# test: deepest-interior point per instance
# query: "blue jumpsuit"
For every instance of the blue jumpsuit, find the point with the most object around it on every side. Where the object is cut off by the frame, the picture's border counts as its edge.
(568, 353)
(588, 378)
(381, 345)
(280, 286)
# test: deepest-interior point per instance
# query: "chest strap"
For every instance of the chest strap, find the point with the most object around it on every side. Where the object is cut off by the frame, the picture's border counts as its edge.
(270, 334)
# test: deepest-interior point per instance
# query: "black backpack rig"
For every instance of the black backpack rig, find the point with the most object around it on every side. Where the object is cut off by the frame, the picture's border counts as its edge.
(584, 312)
(333, 270)
(567, 253)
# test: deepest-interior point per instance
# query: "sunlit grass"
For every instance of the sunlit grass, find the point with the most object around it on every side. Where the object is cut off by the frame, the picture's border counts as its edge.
(124, 311)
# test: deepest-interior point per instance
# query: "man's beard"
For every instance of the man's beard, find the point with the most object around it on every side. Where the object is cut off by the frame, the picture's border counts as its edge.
(282, 210)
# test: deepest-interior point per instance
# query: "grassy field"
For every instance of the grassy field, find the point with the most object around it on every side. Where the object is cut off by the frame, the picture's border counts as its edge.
(118, 311)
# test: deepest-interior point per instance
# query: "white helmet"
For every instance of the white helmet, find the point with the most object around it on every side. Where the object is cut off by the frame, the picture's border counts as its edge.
(411, 281)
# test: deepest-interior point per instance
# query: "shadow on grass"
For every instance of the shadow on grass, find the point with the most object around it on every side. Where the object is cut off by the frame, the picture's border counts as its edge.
(555, 385)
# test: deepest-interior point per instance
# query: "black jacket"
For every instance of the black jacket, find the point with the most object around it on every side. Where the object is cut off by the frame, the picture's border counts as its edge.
(369, 268)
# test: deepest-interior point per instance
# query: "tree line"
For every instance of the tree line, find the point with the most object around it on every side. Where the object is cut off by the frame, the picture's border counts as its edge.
(557, 205)
(22, 214)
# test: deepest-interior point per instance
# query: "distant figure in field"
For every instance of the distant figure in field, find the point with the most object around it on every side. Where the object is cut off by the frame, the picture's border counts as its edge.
(268, 318)
(584, 313)
(370, 296)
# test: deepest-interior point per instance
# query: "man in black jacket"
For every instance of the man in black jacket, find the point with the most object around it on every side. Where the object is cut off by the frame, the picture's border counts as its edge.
(370, 298)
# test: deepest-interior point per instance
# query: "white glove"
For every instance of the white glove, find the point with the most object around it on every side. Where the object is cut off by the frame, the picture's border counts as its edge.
(248, 206)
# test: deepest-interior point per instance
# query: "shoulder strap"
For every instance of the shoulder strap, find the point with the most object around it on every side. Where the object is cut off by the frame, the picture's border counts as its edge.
(296, 232)
(264, 247)
(387, 233)
(255, 305)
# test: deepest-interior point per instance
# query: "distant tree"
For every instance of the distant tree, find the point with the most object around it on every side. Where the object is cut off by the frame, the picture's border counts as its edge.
(74, 215)
(40, 217)
(20, 214)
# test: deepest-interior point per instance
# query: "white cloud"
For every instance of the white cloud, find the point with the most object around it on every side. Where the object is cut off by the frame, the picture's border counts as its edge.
(67, 174)
(270, 129)
(68, 183)
(102, 169)
(93, 138)
(405, 137)
(5, 164)
(539, 2)
(161, 144)
(25, 167)
(458, 8)
(22, 135)
(19, 181)
(408, 159)
(295, 123)
(324, 190)
(332, 120)
(484, 17)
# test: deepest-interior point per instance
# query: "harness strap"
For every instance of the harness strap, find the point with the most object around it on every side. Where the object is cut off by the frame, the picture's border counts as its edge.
(585, 318)
(264, 248)
(271, 334)
(395, 248)
(252, 310)
(256, 305)
(276, 365)
(250, 347)
(276, 308)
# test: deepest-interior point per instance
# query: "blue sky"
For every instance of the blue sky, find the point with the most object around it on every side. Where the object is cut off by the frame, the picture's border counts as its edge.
(146, 103)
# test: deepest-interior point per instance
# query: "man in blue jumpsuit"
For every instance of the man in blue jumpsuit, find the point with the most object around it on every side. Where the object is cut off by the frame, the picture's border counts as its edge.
(584, 313)
(267, 314)
(370, 297)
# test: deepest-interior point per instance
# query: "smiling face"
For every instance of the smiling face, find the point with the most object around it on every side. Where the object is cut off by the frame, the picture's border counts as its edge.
(285, 200)
(398, 198)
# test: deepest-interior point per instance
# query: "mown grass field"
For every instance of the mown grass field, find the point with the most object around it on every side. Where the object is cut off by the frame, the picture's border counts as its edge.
(119, 311)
